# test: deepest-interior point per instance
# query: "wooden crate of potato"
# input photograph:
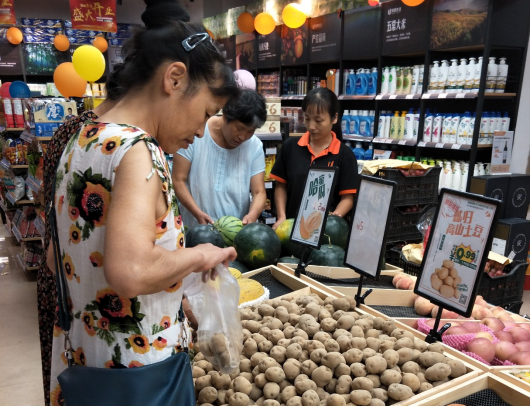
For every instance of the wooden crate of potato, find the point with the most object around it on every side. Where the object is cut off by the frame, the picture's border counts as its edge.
(508, 392)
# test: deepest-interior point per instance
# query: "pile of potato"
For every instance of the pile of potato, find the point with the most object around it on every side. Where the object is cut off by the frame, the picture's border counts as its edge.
(313, 352)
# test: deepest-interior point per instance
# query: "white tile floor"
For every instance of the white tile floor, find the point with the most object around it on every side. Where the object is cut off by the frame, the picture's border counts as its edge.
(20, 367)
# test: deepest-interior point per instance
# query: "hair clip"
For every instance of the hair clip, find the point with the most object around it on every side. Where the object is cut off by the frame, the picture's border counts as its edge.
(203, 36)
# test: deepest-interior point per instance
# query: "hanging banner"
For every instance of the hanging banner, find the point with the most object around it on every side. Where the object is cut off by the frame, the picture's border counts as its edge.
(7, 12)
(457, 250)
(325, 38)
(99, 15)
(405, 29)
(269, 49)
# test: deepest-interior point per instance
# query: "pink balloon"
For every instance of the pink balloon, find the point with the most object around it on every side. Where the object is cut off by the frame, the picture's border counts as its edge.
(4, 90)
(245, 79)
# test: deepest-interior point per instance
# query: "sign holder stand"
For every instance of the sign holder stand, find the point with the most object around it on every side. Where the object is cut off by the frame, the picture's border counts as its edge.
(435, 334)
(372, 193)
(300, 269)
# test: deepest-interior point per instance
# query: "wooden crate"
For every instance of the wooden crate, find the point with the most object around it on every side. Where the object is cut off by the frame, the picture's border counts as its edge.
(341, 273)
(510, 393)
(504, 373)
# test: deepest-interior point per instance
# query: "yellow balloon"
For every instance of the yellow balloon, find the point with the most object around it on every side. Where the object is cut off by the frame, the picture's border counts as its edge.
(89, 62)
(293, 16)
(264, 23)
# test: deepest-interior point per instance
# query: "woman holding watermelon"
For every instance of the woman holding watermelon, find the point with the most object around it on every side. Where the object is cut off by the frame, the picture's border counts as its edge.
(318, 146)
(213, 177)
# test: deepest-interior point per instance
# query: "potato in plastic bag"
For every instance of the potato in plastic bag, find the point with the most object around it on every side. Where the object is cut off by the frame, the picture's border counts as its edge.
(215, 305)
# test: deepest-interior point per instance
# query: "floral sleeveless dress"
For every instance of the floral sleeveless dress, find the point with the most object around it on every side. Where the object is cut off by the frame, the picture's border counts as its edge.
(110, 331)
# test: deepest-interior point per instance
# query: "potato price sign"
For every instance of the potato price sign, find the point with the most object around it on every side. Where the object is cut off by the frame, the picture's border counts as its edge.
(457, 250)
(311, 220)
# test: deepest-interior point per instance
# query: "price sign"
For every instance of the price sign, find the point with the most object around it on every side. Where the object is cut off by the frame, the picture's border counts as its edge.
(393, 96)
(460, 95)
(426, 96)
(389, 141)
(270, 220)
(379, 97)
(457, 248)
(311, 220)
(367, 240)
(270, 151)
(442, 96)
(439, 145)
(409, 96)
(402, 142)
(422, 144)
(455, 146)
(268, 185)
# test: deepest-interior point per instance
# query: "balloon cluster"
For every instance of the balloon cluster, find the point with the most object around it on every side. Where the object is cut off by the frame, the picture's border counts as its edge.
(293, 16)
(15, 90)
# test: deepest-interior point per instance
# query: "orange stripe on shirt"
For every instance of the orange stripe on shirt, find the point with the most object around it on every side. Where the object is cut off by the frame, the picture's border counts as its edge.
(278, 178)
(347, 192)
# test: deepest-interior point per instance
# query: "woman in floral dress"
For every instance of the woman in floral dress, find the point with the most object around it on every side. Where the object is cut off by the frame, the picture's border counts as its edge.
(119, 226)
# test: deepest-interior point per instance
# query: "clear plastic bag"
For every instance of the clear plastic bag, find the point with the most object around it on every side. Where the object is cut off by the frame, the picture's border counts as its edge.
(215, 305)
(424, 226)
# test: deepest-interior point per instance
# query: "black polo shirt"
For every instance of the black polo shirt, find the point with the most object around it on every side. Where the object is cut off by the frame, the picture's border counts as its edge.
(293, 163)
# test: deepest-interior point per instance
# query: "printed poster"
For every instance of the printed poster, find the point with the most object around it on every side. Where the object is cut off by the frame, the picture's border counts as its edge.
(458, 23)
(294, 45)
(458, 244)
(99, 15)
(245, 51)
(310, 222)
(325, 38)
(7, 12)
(501, 154)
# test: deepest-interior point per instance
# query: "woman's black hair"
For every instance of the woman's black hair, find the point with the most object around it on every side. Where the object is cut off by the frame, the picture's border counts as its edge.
(161, 40)
(321, 100)
(249, 108)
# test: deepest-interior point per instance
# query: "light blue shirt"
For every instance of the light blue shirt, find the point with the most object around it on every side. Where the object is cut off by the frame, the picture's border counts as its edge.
(219, 178)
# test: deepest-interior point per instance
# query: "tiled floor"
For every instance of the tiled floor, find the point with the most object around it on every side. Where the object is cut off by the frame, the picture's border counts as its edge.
(20, 367)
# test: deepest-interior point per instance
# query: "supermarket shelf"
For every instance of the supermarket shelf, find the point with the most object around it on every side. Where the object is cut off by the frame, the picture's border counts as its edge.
(351, 97)
(23, 265)
(467, 95)
(19, 202)
(4, 207)
(410, 143)
(441, 145)
(39, 225)
(43, 138)
(4, 163)
(294, 97)
(346, 137)
(269, 137)
(8, 231)
(19, 238)
(34, 184)
(398, 97)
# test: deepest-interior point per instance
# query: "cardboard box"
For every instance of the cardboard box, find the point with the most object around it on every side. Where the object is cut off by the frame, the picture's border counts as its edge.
(518, 197)
(46, 129)
(492, 186)
(53, 111)
(511, 238)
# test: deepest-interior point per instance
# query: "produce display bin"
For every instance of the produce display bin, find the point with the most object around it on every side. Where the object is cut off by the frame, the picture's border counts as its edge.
(471, 390)
(413, 189)
(505, 290)
(403, 225)
(504, 373)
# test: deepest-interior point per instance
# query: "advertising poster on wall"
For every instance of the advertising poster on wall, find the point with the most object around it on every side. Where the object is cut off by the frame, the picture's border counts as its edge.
(97, 15)
(405, 29)
(246, 51)
(10, 63)
(325, 38)
(7, 12)
(41, 58)
(458, 23)
(294, 45)
(269, 48)
(228, 49)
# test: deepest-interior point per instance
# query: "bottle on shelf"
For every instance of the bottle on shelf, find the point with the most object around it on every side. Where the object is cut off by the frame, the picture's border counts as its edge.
(498, 124)
(505, 124)
(399, 80)
(437, 128)
(371, 116)
(369, 153)
(457, 177)
(427, 129)
(388, 124)
(385, 80)
(372, 86)
(401, 131)
(461, 77)
(478, 72)
(448, 175)
(455, 123)
(470, 74)
(433, 82)
(350, 83)
(392, 80)
(443, 76)
(452, 76)
(381, 124)
(415, 79)
(358, 151)
(345, 122)
(472, 128)
(416, 124)
(484, 129)
(446, 131)
(354, 122)
(465, 173)
(409, 125)
(361, 83)
(491, 79)
(420, 83)
(364, 124)
(493, 126)
(407, 81)
(394, 126)
(463, 129)
(502, 75)
(345, 76)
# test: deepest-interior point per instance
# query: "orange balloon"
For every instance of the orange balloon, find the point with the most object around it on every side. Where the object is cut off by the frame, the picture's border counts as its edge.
(14, 35)
(61, 42)
(412, 3)
(264, 23)
(245, 22)
(210, 33)
(101, 44)
(373, 3)
(68, 81)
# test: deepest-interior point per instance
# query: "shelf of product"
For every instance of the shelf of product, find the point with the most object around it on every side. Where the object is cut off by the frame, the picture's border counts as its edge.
(398, 96)
(34, 184)
(23, 265)
(441, 96)
(16, 232)
(455, 174)
(294, 83)
(362, 82)
(269, 84)
(358, 122)
(379, 140)
(343, 97)
(295, 117)
(11, 200)
(399, 81)
(7, 165)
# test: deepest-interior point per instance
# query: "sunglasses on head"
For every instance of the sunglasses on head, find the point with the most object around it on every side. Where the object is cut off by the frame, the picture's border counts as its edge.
(194, 40)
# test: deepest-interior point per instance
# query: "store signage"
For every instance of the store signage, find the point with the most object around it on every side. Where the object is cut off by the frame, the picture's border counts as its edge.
(362, 30)
(10, 61)
(501, 153)
(228, 49)
(97, 15)
(405, 29)
(371, 218)
(294, 45)
(310, 223)
(269, 49)
(457, 250)
(42, 58)
(7, 12)
(458, 23)
(324, 38)
(246, 51)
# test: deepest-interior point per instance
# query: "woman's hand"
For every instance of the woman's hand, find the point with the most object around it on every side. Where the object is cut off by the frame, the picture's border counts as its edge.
(203, 218)
(214, 256)
(278, 222)
(248, 219)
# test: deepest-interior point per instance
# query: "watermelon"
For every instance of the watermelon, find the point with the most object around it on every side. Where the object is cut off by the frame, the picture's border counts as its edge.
(203, 234)
(288, 260)
(284, 234)
(257, 245)
(239, 266)
(228, 226)
(327, 255)
(337, 229)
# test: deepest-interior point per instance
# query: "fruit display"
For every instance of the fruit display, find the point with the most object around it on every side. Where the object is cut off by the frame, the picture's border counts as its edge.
(338, 231)
(203, 234)
(307, 351)
(327, 255)
(283, 231)
(228, 226)
(494, 268)
(251, 291)
(257, 245)
(404, 281)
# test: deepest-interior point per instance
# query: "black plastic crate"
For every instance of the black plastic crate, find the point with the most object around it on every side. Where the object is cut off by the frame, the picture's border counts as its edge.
(408, 267)
(413, 189)
(403, 225)
(507, 289)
